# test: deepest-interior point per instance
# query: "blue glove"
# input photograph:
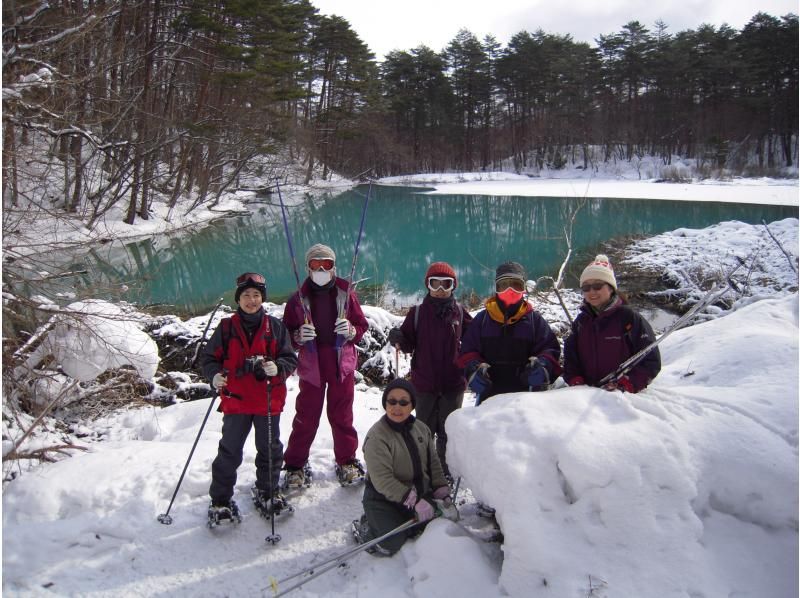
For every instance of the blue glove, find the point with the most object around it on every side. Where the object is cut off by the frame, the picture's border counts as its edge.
(537, 375)
(480, 382)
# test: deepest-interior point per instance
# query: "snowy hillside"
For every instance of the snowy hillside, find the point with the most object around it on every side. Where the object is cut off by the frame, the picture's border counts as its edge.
(689, 488)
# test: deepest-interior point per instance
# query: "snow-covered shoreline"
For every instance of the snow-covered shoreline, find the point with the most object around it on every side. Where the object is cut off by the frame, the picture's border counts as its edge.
(64, 232)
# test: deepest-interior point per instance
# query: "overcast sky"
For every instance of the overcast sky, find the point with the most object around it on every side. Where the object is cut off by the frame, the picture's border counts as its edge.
(406, 24)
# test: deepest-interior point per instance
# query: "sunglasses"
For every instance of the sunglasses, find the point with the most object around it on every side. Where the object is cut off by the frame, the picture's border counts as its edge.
(324, 263)
(593, 287)
(401, 402)
(243, 279)
(506, 283)
(440, 282)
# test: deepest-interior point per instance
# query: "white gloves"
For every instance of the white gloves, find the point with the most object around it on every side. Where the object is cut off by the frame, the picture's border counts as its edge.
(305, 333)
(218, 381)
(345, 328)
(270, 369)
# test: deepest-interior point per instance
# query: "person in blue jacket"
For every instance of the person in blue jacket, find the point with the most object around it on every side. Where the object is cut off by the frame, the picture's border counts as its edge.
(509, 347)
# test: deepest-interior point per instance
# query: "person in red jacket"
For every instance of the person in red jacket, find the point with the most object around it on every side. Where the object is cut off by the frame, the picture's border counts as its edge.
(432, 330)
(325, 321)
(606, 333)
(247, 360)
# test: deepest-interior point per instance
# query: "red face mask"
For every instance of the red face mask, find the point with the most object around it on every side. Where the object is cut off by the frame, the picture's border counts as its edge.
(510, 296)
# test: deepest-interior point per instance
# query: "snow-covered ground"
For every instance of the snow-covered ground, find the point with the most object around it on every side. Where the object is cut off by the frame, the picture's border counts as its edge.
(687, 489)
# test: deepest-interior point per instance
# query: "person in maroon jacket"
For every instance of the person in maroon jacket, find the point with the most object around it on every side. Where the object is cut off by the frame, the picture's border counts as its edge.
(248, 360)
(432, 330)
(326, 322)
(606, 333)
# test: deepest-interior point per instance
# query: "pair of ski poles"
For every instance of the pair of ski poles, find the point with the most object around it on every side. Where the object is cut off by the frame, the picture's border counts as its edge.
(166, 518)
(306, 575)
(339, 338)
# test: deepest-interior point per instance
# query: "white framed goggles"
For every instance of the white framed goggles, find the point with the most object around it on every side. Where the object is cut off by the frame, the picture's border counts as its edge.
(440, 282)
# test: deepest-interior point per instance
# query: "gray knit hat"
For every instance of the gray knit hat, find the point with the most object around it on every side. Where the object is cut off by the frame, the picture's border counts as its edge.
(400, 383)
(510, 270)
(321, 252)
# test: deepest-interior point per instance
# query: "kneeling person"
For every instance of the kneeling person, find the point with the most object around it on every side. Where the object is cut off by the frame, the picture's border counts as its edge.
(404, 474)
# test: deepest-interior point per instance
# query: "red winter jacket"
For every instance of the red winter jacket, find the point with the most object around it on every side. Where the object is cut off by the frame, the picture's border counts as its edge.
(243, 393)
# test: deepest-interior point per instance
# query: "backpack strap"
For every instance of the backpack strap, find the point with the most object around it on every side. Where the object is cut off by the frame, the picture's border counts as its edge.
(628, 316)
(226, 337)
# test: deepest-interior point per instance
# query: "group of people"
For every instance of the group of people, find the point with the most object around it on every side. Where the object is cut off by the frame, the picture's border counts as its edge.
(506, 347)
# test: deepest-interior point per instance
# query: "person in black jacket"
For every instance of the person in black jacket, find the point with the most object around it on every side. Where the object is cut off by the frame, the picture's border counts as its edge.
(509, 347)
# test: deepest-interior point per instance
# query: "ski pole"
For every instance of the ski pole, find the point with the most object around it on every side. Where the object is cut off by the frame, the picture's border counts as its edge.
(333, 562)
(205, 332)
(310, 344)
(627, 365)
(273, 538)
(343, 312)
(165, 517)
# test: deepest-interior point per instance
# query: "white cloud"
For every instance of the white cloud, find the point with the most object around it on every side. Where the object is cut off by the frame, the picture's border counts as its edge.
(386, 26)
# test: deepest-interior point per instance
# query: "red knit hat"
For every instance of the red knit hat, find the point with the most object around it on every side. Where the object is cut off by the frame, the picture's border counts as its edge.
(441, 269)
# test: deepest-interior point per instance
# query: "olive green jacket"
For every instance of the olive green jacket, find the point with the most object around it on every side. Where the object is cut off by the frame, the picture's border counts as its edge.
(389, 463)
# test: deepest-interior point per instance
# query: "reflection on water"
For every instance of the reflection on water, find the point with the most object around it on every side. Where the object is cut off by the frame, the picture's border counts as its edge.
(405, 231)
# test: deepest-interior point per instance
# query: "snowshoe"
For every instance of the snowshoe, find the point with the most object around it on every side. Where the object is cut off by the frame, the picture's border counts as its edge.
(350, 473)
(297, 479)
(485, 510)
(360, 530)
(223, 514)
(270, 507)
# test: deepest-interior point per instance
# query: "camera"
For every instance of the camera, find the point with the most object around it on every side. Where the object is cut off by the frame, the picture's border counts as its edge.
(255, 365)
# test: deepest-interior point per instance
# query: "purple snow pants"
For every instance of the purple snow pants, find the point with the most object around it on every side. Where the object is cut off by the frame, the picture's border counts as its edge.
(308, 410)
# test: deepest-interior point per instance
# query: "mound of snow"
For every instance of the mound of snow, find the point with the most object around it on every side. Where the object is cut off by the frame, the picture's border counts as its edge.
(689, 488)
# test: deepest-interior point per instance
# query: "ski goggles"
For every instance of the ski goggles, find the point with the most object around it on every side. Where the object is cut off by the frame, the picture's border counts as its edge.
(252, 277)
(509, 283)
(592, 287)
(440, 282)
(324, 263)
(401, 402)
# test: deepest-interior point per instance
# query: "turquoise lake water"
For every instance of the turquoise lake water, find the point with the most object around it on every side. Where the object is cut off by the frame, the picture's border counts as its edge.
(405, 231)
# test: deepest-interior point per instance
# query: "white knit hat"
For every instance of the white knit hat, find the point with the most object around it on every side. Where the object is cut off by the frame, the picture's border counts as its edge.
(600, 269)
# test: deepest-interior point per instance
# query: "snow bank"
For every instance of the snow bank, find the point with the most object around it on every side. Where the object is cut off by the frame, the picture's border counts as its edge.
(89, 337)
(689, 488)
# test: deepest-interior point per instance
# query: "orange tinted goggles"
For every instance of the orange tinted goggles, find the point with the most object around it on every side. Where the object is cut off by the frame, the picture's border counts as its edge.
(325, 264)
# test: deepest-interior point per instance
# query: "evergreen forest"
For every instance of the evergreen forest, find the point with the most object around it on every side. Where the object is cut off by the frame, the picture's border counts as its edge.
(118, 101)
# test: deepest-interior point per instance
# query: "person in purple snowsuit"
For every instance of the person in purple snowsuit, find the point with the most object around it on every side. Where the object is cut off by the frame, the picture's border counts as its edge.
(606, 333)
(322, 310)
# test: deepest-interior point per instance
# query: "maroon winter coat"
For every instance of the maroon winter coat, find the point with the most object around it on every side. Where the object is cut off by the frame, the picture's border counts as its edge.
(435, 342)
(600, 342)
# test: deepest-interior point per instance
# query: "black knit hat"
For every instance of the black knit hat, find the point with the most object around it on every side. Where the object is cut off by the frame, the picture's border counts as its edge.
(250, 280)
(400, 383)
(510, 270)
